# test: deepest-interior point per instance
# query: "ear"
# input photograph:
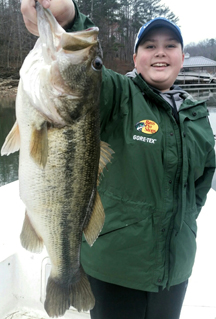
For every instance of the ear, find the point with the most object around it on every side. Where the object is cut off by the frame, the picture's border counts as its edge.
(134, 59)
(183, 56)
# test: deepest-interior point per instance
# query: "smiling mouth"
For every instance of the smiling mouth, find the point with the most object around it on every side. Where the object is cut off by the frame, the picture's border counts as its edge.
(160, 65)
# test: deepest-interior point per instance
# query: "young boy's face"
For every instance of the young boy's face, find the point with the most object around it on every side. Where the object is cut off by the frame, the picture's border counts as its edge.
(159, 58)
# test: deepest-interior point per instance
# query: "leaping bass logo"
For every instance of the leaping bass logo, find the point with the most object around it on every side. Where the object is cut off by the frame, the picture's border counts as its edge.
(147, 126)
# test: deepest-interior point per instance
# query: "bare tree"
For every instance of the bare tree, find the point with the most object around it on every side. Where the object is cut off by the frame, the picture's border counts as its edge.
(118, 21)
(206, 48)
(15, 40)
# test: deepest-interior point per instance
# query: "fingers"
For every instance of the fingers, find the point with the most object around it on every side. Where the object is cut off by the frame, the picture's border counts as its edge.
(45, 3)
(63, 11)
(32, 27)
(29, 15)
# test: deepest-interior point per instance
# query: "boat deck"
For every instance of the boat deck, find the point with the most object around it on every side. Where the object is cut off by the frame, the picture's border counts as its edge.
(187, 313)
(23, 274)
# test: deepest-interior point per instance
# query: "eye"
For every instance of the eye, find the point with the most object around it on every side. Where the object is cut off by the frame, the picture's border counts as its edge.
(97, 64)
(172, 44)
(149, 46)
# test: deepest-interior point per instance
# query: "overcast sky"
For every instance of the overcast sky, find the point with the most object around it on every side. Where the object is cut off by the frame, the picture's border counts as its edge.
(197, 19)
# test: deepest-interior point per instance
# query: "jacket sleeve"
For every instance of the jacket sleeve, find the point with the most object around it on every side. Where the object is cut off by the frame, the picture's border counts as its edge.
(114, 98)
(114, 86)
(81, 22)
(203, 183)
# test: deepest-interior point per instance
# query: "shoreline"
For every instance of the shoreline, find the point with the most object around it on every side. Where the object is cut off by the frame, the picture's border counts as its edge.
(8, 88)
(9, 79)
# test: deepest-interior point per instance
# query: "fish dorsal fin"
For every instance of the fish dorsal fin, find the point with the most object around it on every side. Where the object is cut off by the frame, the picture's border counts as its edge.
(39, 145)
(12, 141)
(96, 221)
(105, 157)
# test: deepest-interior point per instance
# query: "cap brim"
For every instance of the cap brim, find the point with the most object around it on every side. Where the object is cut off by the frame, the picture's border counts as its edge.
(160, 23)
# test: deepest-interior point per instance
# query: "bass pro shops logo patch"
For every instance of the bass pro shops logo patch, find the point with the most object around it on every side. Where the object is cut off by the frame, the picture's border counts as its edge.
(147, 127)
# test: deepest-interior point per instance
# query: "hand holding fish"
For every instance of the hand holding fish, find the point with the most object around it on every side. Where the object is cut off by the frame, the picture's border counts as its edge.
(63, 11)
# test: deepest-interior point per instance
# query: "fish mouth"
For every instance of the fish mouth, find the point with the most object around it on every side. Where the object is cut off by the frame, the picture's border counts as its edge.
(96, 29)
(75, 41)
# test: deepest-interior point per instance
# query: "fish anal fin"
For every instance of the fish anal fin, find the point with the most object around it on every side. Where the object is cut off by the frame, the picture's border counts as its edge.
(59, 297)
(105, 157)
(12, 141)
(29, 238)
(96, 221)
(39, 145)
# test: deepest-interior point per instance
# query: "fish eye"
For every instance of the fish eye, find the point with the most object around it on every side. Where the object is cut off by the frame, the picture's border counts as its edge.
(97, 64)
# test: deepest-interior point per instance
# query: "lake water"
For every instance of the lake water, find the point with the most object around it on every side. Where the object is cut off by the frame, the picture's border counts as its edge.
(9, 164)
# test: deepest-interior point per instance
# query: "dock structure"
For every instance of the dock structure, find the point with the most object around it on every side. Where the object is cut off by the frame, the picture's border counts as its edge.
(198, 86)
(197, 70)
(198, 63)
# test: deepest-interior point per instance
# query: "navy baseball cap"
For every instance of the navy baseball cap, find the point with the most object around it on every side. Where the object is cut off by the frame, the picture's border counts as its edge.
(157, 22)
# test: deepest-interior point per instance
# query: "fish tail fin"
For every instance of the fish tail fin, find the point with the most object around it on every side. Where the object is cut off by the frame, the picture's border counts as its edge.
(81, 295)
(12, 141)
(29, 238)
(96, 222)
(105, 157)
(39, 145)
(59, 298)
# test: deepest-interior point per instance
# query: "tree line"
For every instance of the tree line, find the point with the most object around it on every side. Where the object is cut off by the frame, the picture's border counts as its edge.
(206, 48)
(118, 21)
(15, 40)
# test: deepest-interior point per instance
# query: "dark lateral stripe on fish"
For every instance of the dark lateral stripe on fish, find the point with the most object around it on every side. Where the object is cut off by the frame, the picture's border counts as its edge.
(71, 225)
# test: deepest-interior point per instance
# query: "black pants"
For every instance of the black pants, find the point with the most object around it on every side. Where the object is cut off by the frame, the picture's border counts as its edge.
(117, 302)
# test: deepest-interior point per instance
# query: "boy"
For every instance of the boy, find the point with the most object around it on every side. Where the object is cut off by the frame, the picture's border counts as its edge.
(158, 180)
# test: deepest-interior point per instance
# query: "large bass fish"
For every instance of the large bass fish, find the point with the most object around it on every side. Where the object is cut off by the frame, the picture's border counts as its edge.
(61, 155)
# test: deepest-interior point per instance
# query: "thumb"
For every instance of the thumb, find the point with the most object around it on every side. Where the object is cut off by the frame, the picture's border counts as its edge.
(45, 3)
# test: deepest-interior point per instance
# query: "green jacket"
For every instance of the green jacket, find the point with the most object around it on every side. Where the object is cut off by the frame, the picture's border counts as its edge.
(154, 188)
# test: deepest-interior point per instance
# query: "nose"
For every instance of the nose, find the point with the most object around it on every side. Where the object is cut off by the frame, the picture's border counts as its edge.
(160, 52)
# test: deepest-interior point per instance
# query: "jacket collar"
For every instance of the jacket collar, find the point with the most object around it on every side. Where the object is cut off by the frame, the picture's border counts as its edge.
(153, 93)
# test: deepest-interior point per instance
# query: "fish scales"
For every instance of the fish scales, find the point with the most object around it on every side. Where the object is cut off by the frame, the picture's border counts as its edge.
(61, 155)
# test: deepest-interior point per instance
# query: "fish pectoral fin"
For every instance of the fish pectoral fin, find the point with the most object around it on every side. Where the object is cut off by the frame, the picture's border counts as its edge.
(39, 145)
(29, 238)
(96, 221)
(105, 158)
(12, 141)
